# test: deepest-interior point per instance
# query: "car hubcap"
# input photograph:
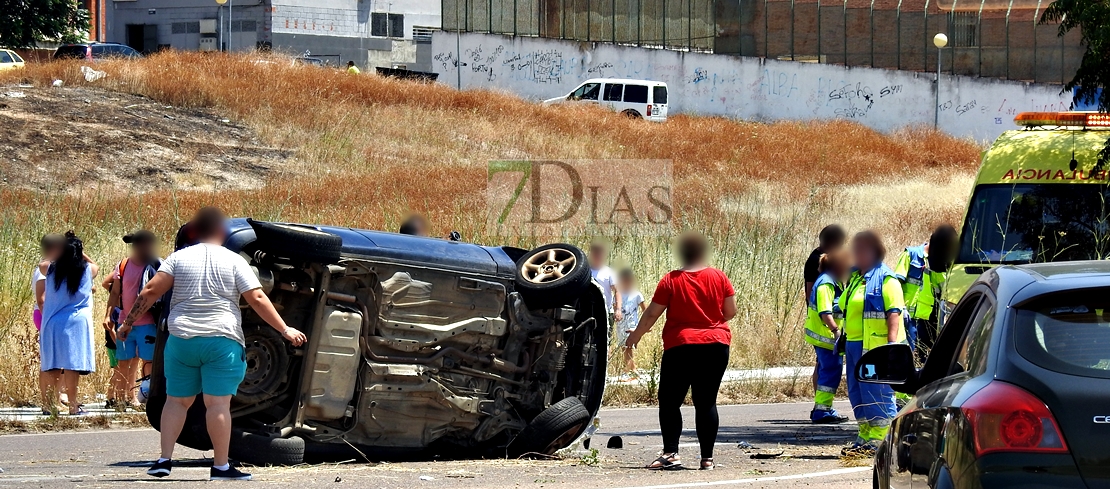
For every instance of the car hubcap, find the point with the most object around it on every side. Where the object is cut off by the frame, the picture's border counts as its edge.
(549, 266)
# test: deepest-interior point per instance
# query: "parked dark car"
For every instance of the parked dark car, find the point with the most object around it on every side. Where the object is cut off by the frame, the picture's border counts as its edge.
(1016, 391)
(95, 50)
(417, 346)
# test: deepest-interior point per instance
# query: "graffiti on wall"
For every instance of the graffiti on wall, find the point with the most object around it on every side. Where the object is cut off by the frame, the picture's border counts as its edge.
(745, 87)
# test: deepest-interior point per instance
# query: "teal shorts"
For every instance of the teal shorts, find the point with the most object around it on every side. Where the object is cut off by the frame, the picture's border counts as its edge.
(210, 365)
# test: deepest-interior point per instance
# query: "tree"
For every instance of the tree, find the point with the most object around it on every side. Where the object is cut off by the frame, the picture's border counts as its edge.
(1092, 18)
(24, 23)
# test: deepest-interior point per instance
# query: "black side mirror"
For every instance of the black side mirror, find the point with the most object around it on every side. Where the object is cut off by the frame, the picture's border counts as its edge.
(887, 364)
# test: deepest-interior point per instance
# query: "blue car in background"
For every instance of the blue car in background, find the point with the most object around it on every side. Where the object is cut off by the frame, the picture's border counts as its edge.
(417, 347)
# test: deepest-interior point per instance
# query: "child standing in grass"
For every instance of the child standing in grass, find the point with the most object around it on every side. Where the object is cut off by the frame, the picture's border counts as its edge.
(632, 305)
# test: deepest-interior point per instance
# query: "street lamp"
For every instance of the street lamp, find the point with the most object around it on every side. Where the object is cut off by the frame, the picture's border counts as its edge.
(221, 2)
(940, 41)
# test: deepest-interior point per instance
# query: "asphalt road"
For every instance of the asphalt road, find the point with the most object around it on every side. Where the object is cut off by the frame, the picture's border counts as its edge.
(809, 457)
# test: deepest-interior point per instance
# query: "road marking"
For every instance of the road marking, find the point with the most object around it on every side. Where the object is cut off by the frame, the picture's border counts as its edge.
(811, 475)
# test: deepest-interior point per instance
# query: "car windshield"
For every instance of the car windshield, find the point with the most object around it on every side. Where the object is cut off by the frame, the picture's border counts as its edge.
(1067, 332)
(1036, 223)
(16, 58)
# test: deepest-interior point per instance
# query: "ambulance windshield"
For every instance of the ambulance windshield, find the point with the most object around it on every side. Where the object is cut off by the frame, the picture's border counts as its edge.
(1025, 223)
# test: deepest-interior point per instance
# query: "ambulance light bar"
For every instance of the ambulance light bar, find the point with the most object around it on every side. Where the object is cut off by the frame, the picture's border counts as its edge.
(1063, 119)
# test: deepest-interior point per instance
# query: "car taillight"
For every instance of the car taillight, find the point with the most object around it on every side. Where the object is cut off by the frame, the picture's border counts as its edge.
(1007, 418)
(649, 110)
(88, 52)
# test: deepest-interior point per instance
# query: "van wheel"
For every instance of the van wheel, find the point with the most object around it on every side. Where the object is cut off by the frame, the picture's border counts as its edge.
(631, 114)
(552, 275)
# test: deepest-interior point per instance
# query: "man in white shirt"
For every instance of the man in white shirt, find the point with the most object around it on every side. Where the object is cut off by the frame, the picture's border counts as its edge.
(204, 354)
(607, 279)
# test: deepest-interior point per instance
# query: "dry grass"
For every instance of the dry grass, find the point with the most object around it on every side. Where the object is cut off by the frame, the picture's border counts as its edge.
(370, 150)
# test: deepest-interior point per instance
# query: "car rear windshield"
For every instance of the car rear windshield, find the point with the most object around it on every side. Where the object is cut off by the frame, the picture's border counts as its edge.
(1027, 223)
(1067, 332)
(71, 52)
(660, 95)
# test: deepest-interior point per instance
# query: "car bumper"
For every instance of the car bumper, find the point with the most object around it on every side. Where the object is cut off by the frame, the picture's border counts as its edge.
(1025, 471)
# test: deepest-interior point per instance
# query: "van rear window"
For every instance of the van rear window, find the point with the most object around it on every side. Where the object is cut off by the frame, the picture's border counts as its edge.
(660, 95)
(71, 52)
(636, 94)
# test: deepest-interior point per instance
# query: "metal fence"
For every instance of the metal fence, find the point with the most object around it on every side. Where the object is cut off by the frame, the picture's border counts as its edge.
(988, 38)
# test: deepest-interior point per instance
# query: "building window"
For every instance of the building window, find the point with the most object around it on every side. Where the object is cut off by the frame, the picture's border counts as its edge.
(244, 26)
(387, 25)
(422, 33)
(185, 28)
(964, 29)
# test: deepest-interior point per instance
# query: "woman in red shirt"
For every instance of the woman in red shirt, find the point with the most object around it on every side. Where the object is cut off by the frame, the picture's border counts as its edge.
(699, 302)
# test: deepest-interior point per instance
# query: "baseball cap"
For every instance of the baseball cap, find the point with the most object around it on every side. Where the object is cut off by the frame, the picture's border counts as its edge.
(140, 236)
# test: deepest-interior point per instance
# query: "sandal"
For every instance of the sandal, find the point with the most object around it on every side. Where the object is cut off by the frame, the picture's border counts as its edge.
(667, 461)
(707, 464)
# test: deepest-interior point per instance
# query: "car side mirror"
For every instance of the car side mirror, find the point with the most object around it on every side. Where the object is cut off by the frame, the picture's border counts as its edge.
(887, 364)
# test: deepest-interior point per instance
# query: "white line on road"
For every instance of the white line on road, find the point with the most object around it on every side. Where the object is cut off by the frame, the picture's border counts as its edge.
(811, 475)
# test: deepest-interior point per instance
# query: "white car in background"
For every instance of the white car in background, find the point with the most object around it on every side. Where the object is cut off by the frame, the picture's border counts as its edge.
(634, 98)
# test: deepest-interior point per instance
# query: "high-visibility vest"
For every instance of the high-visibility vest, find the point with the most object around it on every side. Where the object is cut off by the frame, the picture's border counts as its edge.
(921, 285)
(874, 306)
(817, 332)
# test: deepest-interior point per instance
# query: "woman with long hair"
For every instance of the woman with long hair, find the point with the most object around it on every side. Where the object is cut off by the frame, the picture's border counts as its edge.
(699, 301)
(66, 340)
(873, 305)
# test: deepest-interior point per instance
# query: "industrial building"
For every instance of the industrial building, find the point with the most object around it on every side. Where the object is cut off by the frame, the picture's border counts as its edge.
(372, 33)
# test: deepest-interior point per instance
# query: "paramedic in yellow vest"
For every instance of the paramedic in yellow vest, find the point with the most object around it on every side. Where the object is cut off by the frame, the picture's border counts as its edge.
(352, 69)
(872, 303)
(823, 324)
(831, 238)
(923, 270)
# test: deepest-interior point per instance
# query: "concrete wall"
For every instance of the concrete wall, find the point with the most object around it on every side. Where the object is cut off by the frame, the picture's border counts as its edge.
(743, 87)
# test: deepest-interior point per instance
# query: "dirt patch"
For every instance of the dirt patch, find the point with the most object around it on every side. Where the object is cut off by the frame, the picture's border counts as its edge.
(61, 139)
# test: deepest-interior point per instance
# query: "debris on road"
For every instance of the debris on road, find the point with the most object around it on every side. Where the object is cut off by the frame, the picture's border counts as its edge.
(92, 75)
(766, 456)
(745, 445)
(615, 443)
(427, 478)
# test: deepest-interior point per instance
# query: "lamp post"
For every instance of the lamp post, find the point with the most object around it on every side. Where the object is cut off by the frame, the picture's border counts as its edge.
(221, 3)
(940, 41)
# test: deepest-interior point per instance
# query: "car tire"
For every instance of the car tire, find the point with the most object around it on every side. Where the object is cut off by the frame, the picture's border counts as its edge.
(875, 478)
(553, 429)
(265, 450)
(552, 275)
(631, 114)
(300, 242)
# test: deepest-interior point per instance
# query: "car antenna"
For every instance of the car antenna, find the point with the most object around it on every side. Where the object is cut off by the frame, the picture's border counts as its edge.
(1074, 163)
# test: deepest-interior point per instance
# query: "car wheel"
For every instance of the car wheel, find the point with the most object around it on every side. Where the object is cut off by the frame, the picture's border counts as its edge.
(555, 428)
(552, 275)
(631, 114)
(300, 242)
(267, 364)
(265, 450)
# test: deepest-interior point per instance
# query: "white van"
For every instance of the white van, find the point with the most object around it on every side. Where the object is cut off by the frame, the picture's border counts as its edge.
(634, 98)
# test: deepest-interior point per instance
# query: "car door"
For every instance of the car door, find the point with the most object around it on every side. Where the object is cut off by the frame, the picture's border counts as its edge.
(587, 93)
(906, 442)
(957, 361)
(613, 94)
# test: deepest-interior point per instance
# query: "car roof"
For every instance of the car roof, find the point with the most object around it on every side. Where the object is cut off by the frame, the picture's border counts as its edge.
(623, 80)
(1015, 284)
(1041, 149)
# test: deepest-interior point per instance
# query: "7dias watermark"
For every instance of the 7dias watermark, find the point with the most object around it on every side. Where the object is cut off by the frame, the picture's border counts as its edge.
(568, 197)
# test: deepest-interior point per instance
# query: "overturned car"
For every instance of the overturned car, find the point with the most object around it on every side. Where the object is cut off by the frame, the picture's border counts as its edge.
(416, 347)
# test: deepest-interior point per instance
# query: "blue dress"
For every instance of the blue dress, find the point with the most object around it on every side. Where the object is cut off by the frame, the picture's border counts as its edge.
(66, 340)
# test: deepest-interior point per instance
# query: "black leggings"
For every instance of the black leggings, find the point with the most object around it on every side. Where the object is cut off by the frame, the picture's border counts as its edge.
(698, 368)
